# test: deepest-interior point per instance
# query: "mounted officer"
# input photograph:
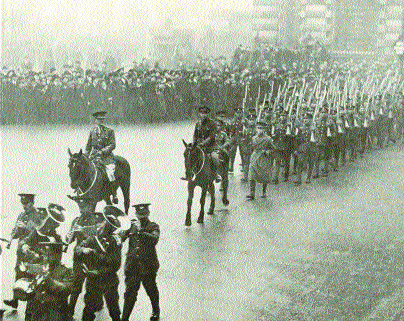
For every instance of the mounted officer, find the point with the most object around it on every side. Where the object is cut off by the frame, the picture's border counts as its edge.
(26, 223)
(100, 145)
(205, 137)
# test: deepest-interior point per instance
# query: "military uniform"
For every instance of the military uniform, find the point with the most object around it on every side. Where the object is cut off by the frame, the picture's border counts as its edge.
(25, 225)
(306, 153)
(81, 228)
(101, 260)
(100, 145)
(141, 266)
(106, 260)
(246, 148)
(235, 133)
(50, 301)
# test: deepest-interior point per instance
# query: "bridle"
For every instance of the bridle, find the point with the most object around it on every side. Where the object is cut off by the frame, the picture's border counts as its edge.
(197, 172)
(81, 179)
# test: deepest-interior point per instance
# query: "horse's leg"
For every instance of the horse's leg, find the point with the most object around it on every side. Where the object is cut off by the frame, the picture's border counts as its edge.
(212, 198)
(277, 162)
(125, 187)
(299, 167)
(191, 188)
(202, 202)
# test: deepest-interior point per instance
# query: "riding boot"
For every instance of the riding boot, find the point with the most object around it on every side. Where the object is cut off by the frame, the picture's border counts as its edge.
(114, 187)
(252, 191)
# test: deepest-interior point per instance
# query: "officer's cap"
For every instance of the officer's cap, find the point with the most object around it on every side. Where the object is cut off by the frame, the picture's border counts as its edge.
(27, 198)
(261, 124)
(142, 209)
(100, 114)
(221, 113)
(111, 214)
(204, 110)
(252, 117)
(55, 212)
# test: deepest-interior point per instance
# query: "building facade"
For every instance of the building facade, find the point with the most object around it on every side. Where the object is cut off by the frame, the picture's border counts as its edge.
(344, 25)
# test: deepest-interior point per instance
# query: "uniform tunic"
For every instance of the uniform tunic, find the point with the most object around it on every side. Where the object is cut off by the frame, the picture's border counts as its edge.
(101, 139)
(260, 162)
(141, 266)
(50, 302)
(106, 260)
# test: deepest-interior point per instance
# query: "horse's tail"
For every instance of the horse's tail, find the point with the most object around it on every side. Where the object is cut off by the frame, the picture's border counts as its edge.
(124, 180)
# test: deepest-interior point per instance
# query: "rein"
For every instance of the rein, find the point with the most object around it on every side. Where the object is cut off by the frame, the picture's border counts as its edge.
(80, 192)
(203, 164)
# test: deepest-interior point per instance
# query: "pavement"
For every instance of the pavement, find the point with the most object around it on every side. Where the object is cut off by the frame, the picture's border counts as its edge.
(331, 250)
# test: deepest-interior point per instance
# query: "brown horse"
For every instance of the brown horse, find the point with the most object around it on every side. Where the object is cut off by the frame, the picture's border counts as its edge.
(89, 180)
(199, 169)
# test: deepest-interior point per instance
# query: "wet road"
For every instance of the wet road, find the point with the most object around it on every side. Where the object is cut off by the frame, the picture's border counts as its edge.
(251, 260)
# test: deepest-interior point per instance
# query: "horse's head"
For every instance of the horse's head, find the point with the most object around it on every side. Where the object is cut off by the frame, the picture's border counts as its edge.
(78, 165)
(193, 159)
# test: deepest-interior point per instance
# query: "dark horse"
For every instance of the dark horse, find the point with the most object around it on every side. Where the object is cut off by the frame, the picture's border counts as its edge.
(88, 180)
(198, 167)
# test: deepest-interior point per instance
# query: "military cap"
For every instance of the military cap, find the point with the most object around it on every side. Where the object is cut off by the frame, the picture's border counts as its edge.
(221, 113)
(252, 117)
(204, 110)
(261, 124)
(142, 209)
(100, 114)
(27, 198)
(55, 212)
(111, 214)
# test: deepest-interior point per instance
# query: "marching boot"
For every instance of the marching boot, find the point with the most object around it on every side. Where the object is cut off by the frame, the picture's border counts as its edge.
(251, 196)
(264, 190)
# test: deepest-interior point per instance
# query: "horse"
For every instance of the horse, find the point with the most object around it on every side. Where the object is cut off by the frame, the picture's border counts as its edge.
(89, 180)
(198, 167)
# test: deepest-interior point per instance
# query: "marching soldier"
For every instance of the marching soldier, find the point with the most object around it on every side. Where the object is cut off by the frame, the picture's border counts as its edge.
(81, 228)
(261, 162)
(246, 147)
(236, 131)
(100, 145)
(50, 300)
(26, 223)
(101, 257)
(306, 151)
(46, 232)
(141, 262)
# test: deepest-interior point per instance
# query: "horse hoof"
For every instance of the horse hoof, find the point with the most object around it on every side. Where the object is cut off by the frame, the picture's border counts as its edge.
(187, 223)
(210, 213)
(315, 176)
(225, 201)
(298, 183)
(308, 181)
(275, 182)
(200, 220)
